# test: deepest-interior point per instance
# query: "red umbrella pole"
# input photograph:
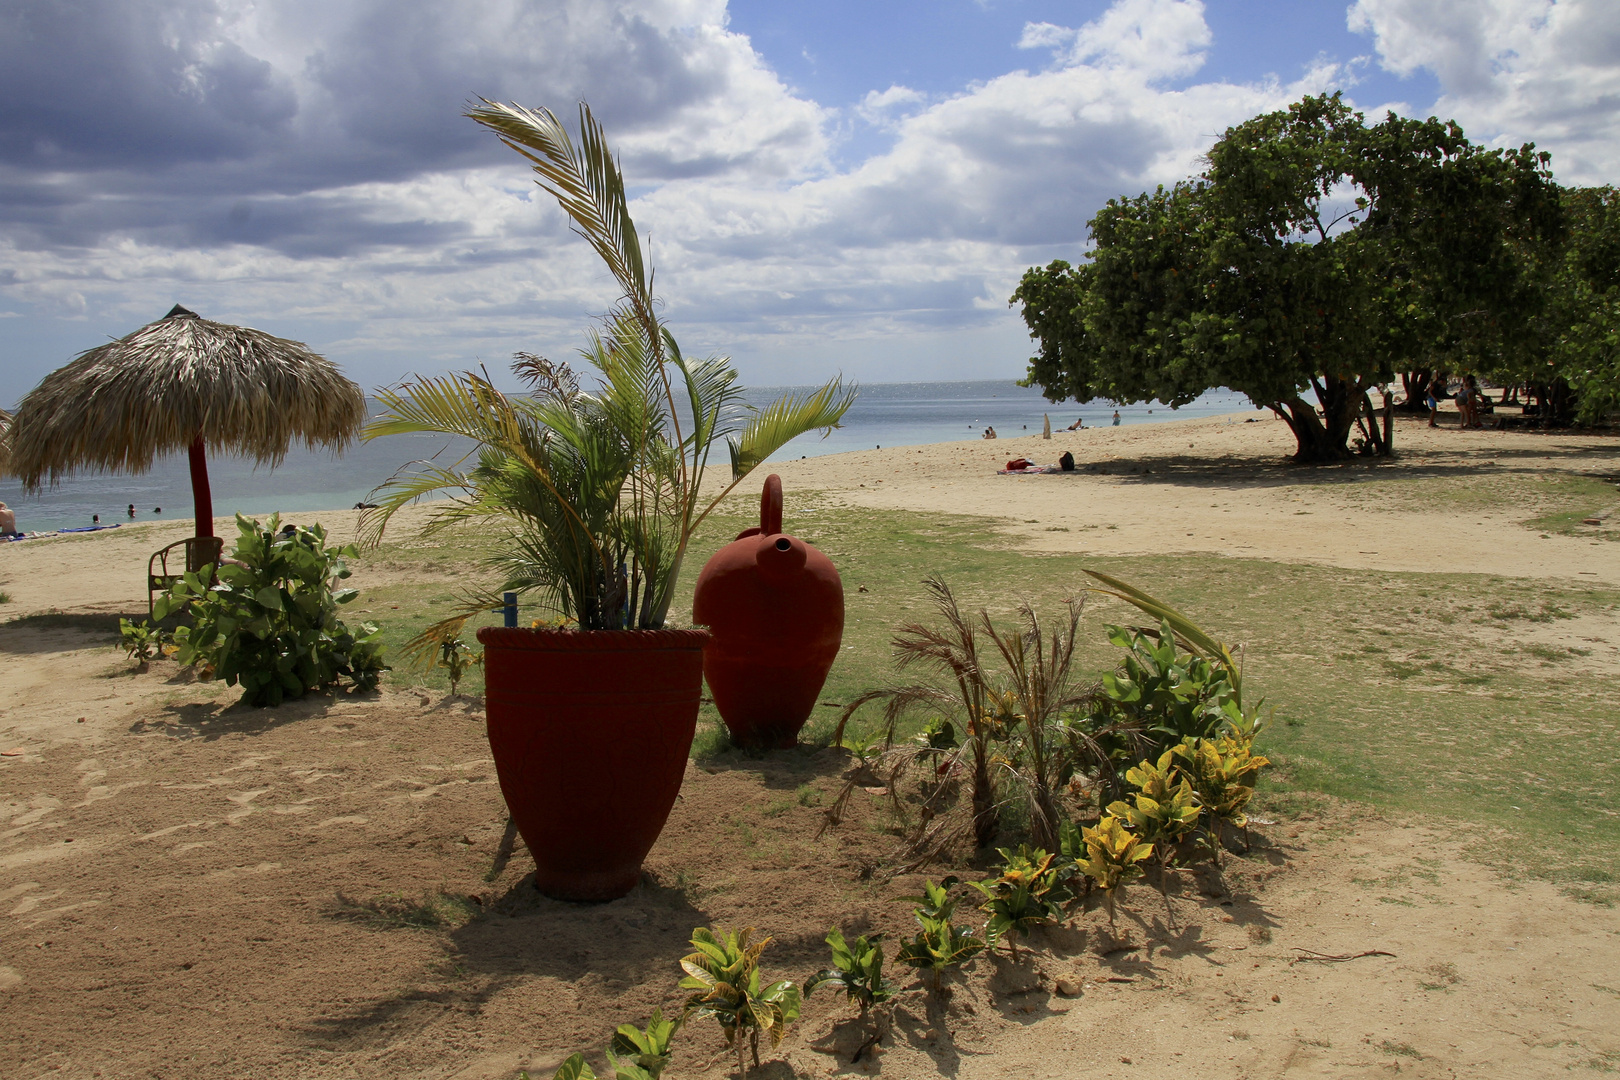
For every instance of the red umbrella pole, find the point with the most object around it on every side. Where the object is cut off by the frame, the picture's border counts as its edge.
(201, 497)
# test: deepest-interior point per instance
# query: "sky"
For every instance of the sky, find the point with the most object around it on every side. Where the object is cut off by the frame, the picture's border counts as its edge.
(838, 187)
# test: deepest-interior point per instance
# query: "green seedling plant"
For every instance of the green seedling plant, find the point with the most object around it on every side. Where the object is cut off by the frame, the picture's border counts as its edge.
(635, 1053)
(142, 641)
(643, 1053)
(857, 970)
(938, 946)
(1163, 811)
(456, 656)
(1025, 894)
(865, 748)
(575, 1067)
(723, 975)
(938, 735)
(1112, 857)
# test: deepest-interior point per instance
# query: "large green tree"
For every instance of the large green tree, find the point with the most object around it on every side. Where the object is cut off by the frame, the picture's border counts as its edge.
(1317, 254)
(1571, 363)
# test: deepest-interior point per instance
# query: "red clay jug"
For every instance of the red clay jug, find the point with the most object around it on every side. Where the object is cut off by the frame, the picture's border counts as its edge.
(774, 607)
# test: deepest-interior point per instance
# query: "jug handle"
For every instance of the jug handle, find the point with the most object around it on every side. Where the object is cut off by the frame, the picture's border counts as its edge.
(770, 506)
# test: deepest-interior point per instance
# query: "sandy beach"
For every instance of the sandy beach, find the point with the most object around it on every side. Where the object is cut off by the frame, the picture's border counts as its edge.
(187, 888)
(1219, 485)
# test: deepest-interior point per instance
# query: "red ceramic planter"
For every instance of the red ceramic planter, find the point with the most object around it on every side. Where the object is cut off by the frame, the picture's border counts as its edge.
(775, 608)
(590, 731)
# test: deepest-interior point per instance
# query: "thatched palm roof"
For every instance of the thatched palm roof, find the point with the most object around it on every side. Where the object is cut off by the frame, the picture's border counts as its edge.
(117, 406)
(5, 440)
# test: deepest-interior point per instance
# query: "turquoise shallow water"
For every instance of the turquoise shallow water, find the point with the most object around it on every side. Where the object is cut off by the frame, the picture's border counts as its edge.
(885, 414)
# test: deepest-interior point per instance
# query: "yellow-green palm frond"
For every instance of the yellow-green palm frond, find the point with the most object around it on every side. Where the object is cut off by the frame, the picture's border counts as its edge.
(789, 416)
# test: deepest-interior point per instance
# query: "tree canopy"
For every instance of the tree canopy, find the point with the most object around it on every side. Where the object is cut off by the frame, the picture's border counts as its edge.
(1572, 360)
(1316, 253)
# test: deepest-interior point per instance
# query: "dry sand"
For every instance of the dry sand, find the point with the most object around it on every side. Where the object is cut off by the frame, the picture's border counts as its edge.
(193, 889)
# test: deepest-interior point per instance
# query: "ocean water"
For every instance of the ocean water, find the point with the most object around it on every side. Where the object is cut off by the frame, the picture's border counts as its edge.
(885, 414)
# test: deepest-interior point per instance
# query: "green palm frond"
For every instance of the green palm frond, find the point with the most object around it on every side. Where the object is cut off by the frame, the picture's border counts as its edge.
(785, 419)
(601, 491)
(586, 182)
(417, 480)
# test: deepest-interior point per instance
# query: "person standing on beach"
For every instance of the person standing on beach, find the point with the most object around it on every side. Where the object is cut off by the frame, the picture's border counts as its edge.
(1116, 418)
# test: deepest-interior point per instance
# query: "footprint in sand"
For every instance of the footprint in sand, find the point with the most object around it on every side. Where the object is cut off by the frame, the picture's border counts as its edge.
(241, 871)
(348, 819)
(40, 807)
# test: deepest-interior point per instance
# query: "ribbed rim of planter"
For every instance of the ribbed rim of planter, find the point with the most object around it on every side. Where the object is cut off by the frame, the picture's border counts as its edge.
(539, 640)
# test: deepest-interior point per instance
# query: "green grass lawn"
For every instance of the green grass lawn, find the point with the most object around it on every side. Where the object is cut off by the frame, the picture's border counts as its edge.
(1410, 692)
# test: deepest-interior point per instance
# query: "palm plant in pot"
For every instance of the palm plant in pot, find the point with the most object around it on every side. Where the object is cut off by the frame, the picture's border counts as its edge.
(594, 496)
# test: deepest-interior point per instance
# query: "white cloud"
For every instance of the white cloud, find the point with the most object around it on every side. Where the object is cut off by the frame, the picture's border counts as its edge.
(373, 215)
(1515, 71)
(879, 107)
(1156, 38)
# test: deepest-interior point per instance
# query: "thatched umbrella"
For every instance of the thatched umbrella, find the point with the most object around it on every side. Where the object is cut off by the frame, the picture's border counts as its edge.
(5, 440)
(182, 383)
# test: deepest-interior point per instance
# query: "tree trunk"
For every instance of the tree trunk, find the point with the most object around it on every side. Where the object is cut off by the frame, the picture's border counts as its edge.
(1323, 435)
(1416, 385)
(984, 798)
(202, 499)
(1375, 439)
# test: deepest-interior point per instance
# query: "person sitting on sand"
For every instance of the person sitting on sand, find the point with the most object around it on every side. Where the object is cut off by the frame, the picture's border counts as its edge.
(1079, 423)
(1465, 406)
(8, 521)
(1477, 401)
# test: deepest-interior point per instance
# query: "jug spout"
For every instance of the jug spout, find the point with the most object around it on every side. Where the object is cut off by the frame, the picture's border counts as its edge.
(780, 557)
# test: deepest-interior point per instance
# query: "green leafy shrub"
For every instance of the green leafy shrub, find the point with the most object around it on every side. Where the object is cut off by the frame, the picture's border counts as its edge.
(1163, 811)
(1222, 772)
(724, 976)
(1111, 858)
(1159, 694)
(857, 970)
(1028, 891)
(1010, 694)
(268, 619)
(142, 641)
(938, 946)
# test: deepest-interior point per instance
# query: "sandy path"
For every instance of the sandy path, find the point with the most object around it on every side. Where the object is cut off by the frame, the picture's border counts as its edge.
(1217, 485)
